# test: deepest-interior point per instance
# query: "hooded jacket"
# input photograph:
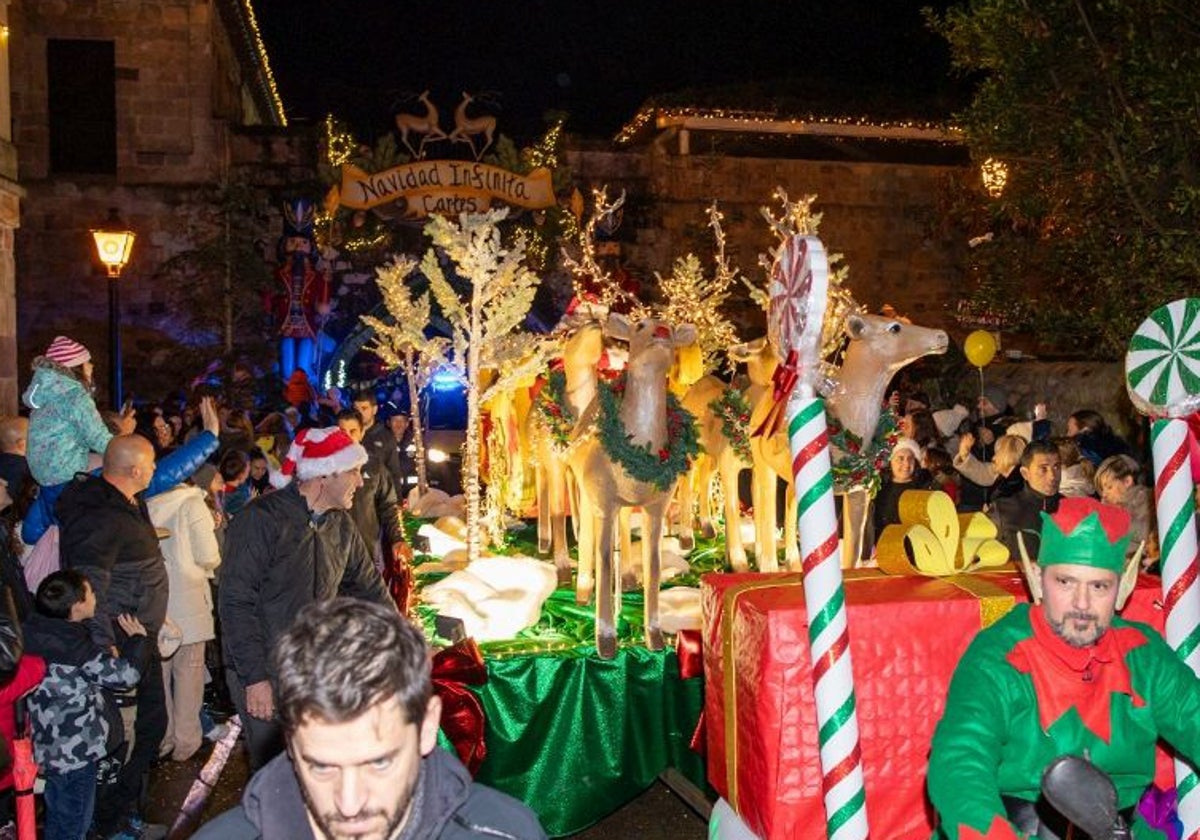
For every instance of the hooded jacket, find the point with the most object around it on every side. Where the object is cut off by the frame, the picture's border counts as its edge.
(72, 717)
(280, 556)
(447, 806)
(64, 424)
(113, 542)
(191, 554)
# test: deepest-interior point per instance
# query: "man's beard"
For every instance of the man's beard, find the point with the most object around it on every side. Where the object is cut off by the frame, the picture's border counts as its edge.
(1060, 628)
(328, 823)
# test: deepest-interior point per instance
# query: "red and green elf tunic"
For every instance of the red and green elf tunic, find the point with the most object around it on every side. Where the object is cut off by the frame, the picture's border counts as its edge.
(1022, 697)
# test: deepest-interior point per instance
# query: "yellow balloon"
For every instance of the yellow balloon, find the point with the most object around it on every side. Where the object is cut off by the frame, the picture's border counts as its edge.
(980, 348)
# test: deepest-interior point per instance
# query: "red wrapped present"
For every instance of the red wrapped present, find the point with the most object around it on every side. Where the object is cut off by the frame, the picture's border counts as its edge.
(906, 635)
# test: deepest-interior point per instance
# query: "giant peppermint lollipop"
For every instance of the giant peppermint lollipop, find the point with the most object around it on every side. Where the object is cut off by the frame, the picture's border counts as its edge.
(1162, 370)
(799, 295)
(1162, 367)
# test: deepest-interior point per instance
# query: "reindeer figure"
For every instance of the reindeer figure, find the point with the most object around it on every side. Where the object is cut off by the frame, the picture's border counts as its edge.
(608, 487)
(879, 347)
(466, 127)
(582, 350)
(428, 126)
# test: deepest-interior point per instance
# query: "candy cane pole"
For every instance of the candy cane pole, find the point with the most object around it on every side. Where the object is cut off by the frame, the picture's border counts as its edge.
(798, 309)
(829, 641)
(1176, 508)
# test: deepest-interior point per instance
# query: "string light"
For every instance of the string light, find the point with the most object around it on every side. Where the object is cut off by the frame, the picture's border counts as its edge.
(763, 119)
(265, 62)
(995, 176)
(340, 145)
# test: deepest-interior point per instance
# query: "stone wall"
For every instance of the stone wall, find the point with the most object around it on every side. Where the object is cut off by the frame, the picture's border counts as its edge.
(1067, 387)
(879, 216)
(180, 94)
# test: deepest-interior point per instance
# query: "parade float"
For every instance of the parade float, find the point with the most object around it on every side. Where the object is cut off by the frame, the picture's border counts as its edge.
(607, 647)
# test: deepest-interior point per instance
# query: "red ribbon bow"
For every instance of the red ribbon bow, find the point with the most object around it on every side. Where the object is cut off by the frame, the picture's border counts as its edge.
(689, 649)
(463, 720)
(784, 379)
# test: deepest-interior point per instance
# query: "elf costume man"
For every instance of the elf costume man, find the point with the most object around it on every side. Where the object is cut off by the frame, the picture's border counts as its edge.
(1063, 676)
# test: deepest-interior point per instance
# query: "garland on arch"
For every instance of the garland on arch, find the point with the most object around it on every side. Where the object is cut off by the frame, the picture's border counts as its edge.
(856, 466)
(552, 408)
(659, 468)
(734, 411)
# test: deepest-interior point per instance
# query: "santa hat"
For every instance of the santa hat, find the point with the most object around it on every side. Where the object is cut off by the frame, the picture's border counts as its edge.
(320, 452)
(63, 351)
(909, 444)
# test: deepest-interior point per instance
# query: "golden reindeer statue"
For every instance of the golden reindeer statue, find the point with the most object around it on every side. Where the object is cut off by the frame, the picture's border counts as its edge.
(465, 127)
(640, 422)
(426, 125)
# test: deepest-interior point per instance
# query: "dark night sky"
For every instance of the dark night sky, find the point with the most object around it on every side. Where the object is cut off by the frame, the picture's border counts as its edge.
(597, 60)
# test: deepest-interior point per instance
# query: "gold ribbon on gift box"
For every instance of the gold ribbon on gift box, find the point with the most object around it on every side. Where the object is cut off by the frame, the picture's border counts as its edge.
(942, 541)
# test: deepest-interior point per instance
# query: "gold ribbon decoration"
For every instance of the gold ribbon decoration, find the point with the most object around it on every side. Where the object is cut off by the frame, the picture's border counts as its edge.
(934, 540)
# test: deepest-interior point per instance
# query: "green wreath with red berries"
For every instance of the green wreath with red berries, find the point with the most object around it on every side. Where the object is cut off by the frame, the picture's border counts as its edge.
(857, 466)
(551, 405)
(659, 468)
(734, 411)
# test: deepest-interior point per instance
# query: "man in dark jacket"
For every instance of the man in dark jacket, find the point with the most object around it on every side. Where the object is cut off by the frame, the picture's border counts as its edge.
(378, 439)
(282, 552)
(376, 509)
(106, 533)
(356, 701)
(1021, 512)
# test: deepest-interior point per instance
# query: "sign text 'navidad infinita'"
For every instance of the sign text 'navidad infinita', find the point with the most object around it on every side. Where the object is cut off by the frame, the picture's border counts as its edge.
(444, 186)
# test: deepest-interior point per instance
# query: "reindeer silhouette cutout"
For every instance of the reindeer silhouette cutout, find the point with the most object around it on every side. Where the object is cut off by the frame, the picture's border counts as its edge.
(465, 128)
(427, 126)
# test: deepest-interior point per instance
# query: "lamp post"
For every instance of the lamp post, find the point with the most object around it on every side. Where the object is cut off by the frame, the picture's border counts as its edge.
(114, 245)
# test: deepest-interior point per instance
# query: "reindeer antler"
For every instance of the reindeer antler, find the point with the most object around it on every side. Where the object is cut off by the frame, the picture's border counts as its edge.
(586, 267)
(798, 219)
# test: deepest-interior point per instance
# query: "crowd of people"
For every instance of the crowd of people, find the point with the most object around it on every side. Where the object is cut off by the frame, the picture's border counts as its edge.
(987, 459)
(165, 551)
(159, 553)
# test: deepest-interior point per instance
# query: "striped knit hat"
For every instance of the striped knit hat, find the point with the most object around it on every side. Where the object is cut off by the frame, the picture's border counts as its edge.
(320, 452)
(63, 351)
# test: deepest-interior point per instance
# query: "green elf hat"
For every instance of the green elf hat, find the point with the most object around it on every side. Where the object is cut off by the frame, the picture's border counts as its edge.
(1085, 532)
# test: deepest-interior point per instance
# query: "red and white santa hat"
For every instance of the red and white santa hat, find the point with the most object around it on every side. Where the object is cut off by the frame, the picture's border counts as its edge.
(66, 352)
(320, 452)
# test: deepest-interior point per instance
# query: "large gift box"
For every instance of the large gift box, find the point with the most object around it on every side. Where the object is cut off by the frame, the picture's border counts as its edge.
(907, 634)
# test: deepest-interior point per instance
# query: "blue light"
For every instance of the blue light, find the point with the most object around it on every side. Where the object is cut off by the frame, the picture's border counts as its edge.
(446, 379)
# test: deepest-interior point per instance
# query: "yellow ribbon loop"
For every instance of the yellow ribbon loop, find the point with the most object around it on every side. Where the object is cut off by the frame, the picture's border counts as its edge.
(934, 540)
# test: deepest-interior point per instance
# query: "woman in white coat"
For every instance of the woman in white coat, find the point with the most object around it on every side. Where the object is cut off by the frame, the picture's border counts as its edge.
(191, 552)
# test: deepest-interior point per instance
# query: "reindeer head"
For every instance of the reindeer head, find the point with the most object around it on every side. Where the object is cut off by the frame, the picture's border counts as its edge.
(893, 342)
(760, 358)
(652, 342)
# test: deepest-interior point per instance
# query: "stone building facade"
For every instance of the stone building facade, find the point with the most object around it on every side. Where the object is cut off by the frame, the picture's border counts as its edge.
(881, 216)
(125, 104)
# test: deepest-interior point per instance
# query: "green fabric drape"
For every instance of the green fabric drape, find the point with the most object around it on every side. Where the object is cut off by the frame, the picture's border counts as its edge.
(577, 737)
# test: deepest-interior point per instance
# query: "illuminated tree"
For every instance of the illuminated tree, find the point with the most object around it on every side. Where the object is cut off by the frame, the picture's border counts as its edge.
(403, 343)
(485, 326)
(1093, 108)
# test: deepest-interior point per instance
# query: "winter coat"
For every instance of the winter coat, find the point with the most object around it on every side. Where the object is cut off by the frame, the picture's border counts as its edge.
(72, 718)
(1076, 482)
(30, 671)
(113, 542)
(381, 447)
(64, 424)
(1022, 513)
(376, 510)
(191, 553)
(171, 470)
(278, 557)
(455, 807)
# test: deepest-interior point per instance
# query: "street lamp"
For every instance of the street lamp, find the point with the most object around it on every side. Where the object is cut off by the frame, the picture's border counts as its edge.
(114, 245)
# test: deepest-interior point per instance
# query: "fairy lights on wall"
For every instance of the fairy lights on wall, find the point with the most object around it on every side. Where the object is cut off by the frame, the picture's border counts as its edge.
(265, 62)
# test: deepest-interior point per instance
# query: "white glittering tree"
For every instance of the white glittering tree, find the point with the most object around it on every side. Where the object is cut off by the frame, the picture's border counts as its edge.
(485, 325)
(403, 343)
